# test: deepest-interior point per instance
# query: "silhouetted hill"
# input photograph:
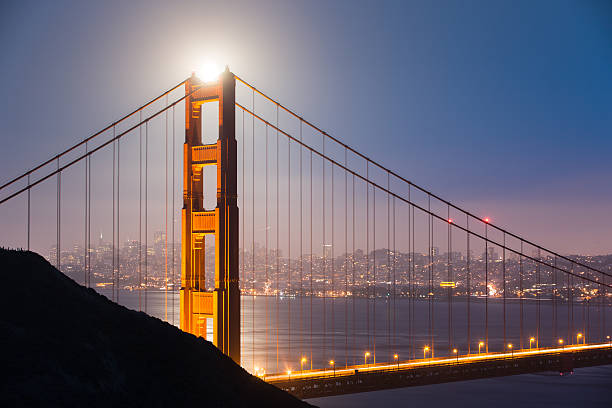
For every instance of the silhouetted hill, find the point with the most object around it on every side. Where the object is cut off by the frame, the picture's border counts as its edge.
(65, 345)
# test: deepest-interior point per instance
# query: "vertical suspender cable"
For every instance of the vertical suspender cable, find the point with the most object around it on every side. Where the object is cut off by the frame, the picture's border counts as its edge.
(146, 217)
(569, 311)
(353, 287)
(584, 311)
(430, 277)
(58, 216)
(277, 238)
(301, 252)
(413, 280)
(324, 259)
(554, 300)
(173, 208)
(410, 287)
(332, 270)
(253, 237)
(29, 203)
(367, 185)
(538, 311)
(604, 309)
(374, 272)
(118, 240)
(85, 251)
(345, 261)
(504, 285)
(388, 270)
(114, 214)
(487, 288)
(394, 284)
(289, 288)
(89, 221)
(521, 313)
(469, 294)
(450, 279)
(166, 217)
(311, 269)
(140, 215)
(266, 254)
(244, 274)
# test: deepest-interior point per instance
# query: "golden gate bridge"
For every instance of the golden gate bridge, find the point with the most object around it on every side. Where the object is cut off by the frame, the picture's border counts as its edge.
(319, 268)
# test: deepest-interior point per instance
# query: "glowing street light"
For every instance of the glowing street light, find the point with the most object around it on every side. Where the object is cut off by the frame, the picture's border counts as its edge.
(332, 363)
(365, 358)
(396, 358)
(456, 353)
(578, 337)
(425, 351)
(561, 342)
(302, 361)
(289, 374)
(531, 340)
(511, 350)
(480, 344)
(609, 341)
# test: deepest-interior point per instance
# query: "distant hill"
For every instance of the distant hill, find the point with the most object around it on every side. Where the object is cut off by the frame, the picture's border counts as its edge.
(65, 345)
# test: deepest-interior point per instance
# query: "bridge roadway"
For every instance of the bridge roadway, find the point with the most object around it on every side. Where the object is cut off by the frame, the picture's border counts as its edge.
(372, 377)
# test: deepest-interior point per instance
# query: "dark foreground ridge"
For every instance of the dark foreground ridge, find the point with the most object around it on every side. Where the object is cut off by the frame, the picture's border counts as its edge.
(66, 345)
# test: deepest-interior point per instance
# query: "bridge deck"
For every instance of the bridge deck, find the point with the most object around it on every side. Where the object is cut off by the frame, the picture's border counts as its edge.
(362, 378)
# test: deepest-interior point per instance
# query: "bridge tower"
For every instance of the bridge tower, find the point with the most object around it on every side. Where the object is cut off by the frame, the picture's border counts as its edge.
(223, 303)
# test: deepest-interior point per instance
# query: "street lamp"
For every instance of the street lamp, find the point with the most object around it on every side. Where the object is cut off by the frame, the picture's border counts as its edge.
(561, 342)
(578, 337)
(302, 361)
(480, 344)
(425, 350)
(396, 358)
(289, 374)
(456, 352)
(511, 350)
(365, 356)
(609, 341)
(531, 340)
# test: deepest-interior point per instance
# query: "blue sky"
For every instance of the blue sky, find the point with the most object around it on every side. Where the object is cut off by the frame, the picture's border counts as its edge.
(502, 107)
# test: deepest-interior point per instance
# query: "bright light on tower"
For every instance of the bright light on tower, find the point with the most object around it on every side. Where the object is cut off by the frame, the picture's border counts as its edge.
(208, 72)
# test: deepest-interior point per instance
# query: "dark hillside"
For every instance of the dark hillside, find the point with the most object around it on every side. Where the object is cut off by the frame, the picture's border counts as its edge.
(65, 345)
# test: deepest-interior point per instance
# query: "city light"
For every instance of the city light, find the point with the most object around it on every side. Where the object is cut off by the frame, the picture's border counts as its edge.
(396, 358)
(302, 361)
(332, 363)
(578, 337)
(511, 349)
(366, 355)
(480, 344)
(425, 350)
(456, 353)
(531, 340)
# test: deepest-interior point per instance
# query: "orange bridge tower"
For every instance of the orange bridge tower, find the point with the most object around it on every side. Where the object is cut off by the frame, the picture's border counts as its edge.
(223, 303)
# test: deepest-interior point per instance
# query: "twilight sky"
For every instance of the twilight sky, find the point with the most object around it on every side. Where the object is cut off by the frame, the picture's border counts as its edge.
(504, 108)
